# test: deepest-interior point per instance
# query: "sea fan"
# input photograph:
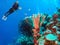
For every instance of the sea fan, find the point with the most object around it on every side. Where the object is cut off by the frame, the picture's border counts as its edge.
(25, 27)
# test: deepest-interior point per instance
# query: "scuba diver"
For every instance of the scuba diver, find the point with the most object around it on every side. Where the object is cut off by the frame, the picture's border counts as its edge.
(11, 10)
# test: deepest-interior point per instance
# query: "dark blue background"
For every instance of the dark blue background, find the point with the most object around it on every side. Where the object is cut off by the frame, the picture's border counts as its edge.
(9, 28)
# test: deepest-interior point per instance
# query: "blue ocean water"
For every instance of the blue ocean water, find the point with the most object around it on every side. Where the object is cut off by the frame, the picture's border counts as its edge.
(9, 28)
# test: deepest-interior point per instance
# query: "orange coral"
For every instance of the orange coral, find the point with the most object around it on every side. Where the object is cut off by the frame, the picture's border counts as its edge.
(36, 30)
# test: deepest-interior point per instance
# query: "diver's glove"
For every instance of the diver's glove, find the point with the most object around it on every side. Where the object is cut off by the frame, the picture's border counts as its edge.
(4, 18)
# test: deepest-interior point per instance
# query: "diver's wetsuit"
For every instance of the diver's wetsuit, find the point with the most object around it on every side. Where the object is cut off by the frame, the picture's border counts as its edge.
(11, 10)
